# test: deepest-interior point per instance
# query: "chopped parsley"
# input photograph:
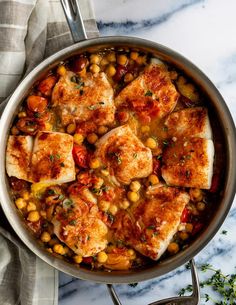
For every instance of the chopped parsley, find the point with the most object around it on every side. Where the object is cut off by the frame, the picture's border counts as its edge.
(51, 157)
(62, 164)
(72, 222)
(81, 84)
(67, 202)
(152, 227)
(148, 93)
(165, 142)
(135, 155)
(187, 173)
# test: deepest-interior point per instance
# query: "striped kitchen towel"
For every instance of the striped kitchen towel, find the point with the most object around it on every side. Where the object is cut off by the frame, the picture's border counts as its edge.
(30, 30)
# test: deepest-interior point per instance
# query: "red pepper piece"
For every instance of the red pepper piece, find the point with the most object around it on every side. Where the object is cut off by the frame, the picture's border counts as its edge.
(185, 215)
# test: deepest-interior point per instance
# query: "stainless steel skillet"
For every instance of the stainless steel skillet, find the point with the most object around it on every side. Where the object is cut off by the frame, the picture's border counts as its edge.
(217, 106)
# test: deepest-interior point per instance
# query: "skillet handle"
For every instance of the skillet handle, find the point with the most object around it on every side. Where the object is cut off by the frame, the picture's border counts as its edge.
(3, 105)
(74, 19)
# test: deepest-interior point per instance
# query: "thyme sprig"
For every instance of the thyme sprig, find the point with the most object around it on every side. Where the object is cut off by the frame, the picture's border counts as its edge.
(223, 285)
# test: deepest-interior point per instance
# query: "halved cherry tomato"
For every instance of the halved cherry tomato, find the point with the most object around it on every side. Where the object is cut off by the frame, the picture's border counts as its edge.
(185, 215)
(37, 103)
(197, 227)
(46, 85)
(122, 116)
(120, 72)
(215, 183)
(80, 155)
(88, 260)
(28, 126)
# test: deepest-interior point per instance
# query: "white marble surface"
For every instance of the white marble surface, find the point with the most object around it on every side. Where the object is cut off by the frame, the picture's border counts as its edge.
(204, 32)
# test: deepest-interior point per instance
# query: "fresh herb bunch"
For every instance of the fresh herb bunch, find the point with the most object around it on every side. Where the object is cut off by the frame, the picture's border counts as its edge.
(223, 285)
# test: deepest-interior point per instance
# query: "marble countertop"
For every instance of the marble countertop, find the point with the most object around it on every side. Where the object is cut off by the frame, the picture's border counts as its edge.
(204, 32)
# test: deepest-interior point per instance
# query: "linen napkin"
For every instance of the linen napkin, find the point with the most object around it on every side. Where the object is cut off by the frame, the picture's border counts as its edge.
(30, 30)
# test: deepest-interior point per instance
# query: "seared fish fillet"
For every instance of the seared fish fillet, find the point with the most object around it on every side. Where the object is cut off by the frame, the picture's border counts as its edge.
(152, 89)
(79, 227)
(150, 225)
(124, 154)
(52, 160)
(18, 156)
(189, 163)
(89, 99)
(191, 122)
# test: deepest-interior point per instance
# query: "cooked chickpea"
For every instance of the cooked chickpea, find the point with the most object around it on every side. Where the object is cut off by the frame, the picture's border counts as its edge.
(124, 204)
(33, 216)
(31, 206)
(48, 126)
(188, 227)
(201, 206)
(131, 253)
(104, 205)
(113, 209)
(102, 129)
(153, 179)
(22, 114)
(141, 60)
(78, 138)
(102, 257)
(92, 138)
(110, 70)
(78, 259)
(71, 128)
(43, 214)
(95, 58)
(45, 237)
(104, 62)
(128, 77)
(135, 186)
(20, 203)
(94, 163)
(15, 131)
(173, 248)
(59, 249)
(183, 235)
(133, 196)
(134, 55)
(196, 194)
(122, 59)
(94, 68)
(105, 172)
(151, 143)
(49, 250)
(145, 129)
(61, 70)
(111, 57)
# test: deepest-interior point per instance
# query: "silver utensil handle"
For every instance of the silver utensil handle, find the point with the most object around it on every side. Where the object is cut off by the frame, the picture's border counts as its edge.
(113, 295)
(74, 18)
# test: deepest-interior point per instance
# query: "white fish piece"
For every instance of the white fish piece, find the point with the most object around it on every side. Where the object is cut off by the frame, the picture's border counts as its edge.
(189, 122)
(189, 163)
(124, 154)
(150, 225)
(52, 160)
(91, 98)
(18, 156)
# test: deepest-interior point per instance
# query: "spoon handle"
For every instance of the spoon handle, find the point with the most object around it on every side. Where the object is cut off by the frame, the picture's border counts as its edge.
(113, 295)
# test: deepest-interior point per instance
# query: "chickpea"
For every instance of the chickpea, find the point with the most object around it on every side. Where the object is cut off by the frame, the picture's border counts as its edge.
(78, 138)
(145, 129)
(92, 138)
(94, 163)
(173, 248)
(43, 214)
(20, 203)
(59, 249)
(15, 131)
(31, 206)
(22, 114)
(94, 68)
(95, 59)
(49, 250)
(135, 186)
(153, 179)
(45, 237)
(124, 204)
(128, 77)
(132, 196)
(78, 259)
(33, 216)
(151, 143)
(104, 205)
(102, 130)
(189, 227)
(201, 206)
(196, 195)
(131, 253)
(104, 62)
(141, 60)
(122, 59)
(71, 128)
(183, 235)
(111, 57)
(102, 257)
(110, 70)
(105, 172)
(61, 70)
(134, 55)
(113, 209)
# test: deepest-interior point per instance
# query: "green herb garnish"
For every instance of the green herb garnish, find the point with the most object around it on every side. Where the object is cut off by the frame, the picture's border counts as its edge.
(148, 93)
(72, 222)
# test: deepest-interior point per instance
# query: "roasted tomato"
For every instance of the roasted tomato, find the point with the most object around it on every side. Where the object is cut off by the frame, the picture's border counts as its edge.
(185, 215)
(80, 155)
(28, 125)
(46, 85)
(37, 103)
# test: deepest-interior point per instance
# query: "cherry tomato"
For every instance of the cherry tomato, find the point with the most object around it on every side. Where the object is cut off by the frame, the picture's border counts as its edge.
(37, 103)
(185, 215)
(28, 126)
(197, 227)
(80, 155)
(88, 260)
(120, 72)
(122, 116)
(46, 85)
